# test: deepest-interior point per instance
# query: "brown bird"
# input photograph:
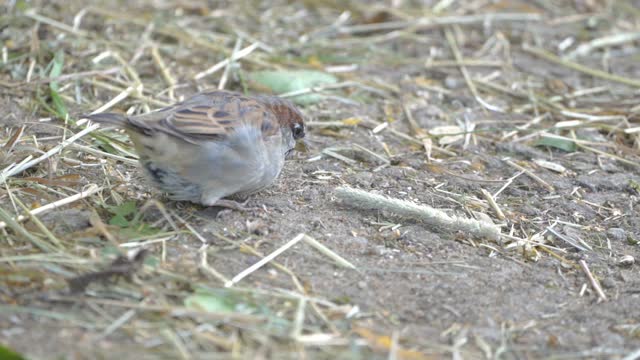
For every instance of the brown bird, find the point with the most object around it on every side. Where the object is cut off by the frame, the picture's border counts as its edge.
(214, 144)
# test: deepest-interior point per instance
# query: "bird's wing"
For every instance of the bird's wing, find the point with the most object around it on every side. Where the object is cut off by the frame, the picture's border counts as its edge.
(208, 115)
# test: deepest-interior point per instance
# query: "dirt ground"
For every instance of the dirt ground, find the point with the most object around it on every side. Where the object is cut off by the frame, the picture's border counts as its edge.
(417, 292)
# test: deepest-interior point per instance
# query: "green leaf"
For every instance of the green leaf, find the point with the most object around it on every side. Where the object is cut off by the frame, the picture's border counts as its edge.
(121, 212)
(210, 302)
(124, 209)
(119, 220)
(287, 81)
(152, 261)
(58, 105)
(228, 301)
(8, 354)
(561, 144)
(21, 5)
(634, 185)
(127, 217)
(57, 64)
(109, 251)
(137, 229)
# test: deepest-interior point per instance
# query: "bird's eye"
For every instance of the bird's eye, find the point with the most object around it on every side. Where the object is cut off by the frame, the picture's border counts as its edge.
(298, 131)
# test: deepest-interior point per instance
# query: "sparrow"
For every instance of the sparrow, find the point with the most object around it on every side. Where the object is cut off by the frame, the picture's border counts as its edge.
(214, 144)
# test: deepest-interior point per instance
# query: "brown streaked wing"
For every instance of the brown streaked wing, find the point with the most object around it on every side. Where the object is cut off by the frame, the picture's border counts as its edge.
(210, 115)
(204, 121)
(201, 120)
(190, 123)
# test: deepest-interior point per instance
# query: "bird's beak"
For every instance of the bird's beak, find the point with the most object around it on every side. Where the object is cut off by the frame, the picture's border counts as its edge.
(301, 145)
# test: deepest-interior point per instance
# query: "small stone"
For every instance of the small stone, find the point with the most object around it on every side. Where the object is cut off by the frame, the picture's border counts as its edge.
(616, 234)
(362, 284)
(451, 82)
(608, 283)
(529, 210)
(626, 260)
(68, 220)
(434, 111)
(381, 250)
(364, 179)
(358, 244)
(257, 227)
(360, 241)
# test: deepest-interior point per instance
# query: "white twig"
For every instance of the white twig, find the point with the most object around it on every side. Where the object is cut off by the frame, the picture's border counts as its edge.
(121, 96)
(299, 318)
(592, 280)
(494, 205)
(225, 74)
(263, 261)
(634, 355)
(204, 265)
(53, 23)
(567, 239)
(335, 155)
(432, 22)
(6, 173)
(118, 323)
(605, 41)
(438, 219)
(309, 240)
(237, 56)
(535, 177)
(91, 189)
(328, 252)
(96, 152)
(318, 89)
(137, 244)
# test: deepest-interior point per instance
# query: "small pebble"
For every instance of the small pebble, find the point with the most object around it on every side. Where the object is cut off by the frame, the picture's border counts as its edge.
(359, 241)
(626, 260)
(362, 284)
(434, 111)
(364, 179)
(616, 234)
(608, 283)
(451, 82)
(381, 250)
(257, 227)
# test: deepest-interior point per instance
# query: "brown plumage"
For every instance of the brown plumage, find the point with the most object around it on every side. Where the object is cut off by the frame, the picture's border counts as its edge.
(214, 144)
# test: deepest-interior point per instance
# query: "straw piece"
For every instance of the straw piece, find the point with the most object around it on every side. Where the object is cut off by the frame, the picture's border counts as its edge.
(437, 219)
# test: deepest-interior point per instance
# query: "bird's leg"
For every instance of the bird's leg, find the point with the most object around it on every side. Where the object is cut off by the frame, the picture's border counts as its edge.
(233, 205)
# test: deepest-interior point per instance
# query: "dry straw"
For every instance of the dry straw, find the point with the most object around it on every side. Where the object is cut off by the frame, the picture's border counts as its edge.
(436, 219)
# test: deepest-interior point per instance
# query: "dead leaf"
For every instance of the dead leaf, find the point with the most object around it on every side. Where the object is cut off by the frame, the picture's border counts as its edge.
(352, 121)
(384, 343)
(448, 134)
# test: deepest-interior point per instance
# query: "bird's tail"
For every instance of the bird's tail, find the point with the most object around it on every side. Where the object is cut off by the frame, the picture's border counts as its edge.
(119, 120)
